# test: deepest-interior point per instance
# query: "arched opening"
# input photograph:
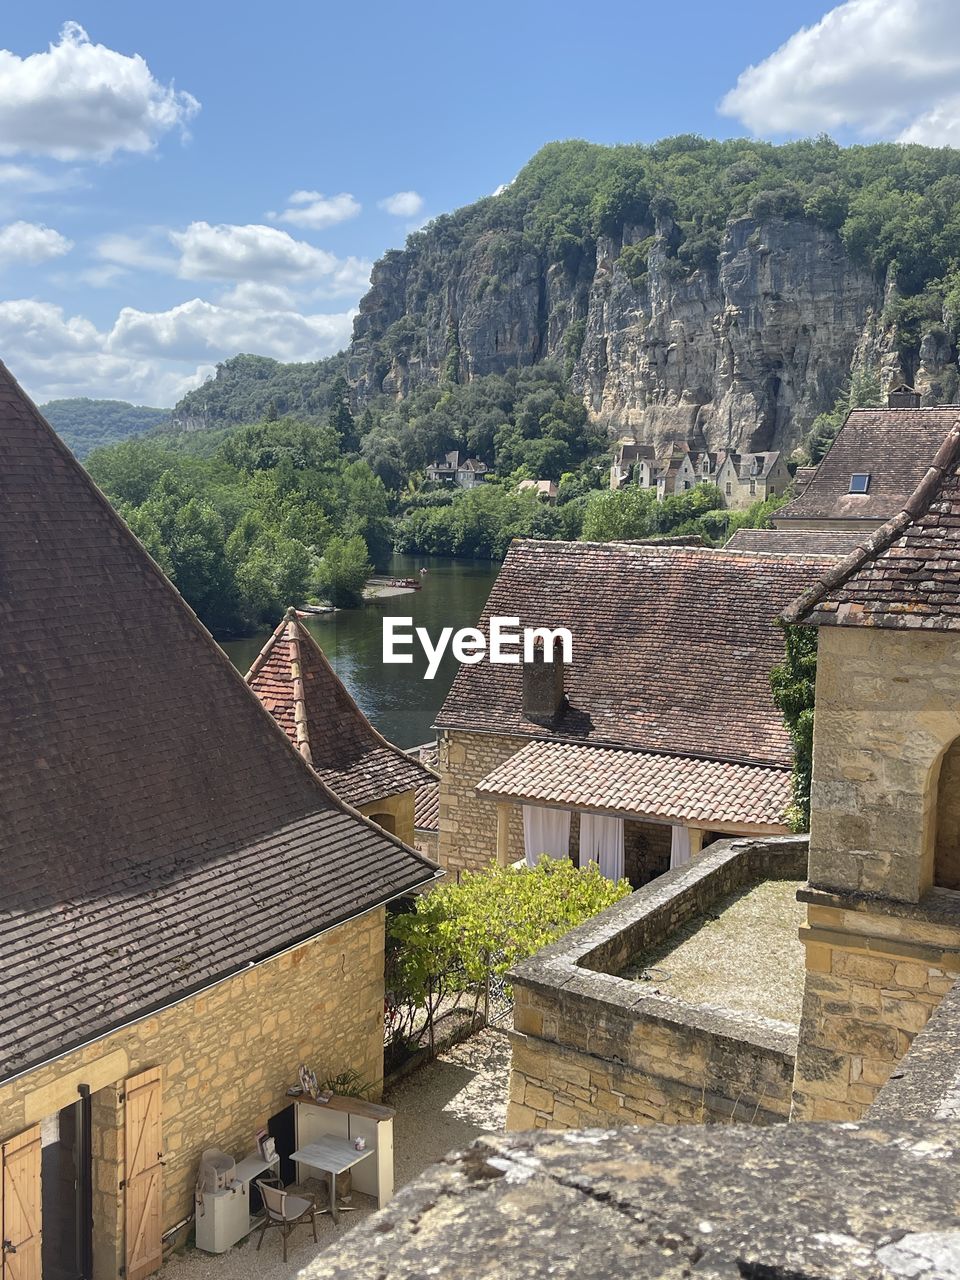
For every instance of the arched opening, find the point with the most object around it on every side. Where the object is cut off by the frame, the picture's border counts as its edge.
(385, 820)
(946, 854)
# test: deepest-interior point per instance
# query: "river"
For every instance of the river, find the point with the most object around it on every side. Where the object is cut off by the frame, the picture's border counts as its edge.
(397, 699)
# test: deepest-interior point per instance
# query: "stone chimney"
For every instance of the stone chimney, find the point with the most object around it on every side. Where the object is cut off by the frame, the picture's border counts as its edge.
(543, 696)
(903, 398)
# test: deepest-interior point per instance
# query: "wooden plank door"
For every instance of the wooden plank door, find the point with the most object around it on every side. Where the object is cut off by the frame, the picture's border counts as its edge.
(143, 1180)
(20, 1205)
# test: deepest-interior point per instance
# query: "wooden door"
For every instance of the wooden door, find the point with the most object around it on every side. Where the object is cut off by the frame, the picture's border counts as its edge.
(143, 1180)
(20, 1207)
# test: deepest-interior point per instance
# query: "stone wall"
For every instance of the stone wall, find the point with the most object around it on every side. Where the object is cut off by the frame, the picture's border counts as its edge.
(228, 1056)
(393, 813)
(589, 1048)
(468, 823)
(876, 971)
(888, 706)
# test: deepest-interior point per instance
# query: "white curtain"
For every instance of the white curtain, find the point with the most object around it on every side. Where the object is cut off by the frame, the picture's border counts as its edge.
(601, 841)
(679, 846)
(545, 831)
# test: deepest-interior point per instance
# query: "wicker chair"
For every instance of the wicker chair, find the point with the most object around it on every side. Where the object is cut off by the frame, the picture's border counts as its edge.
(285, 1210)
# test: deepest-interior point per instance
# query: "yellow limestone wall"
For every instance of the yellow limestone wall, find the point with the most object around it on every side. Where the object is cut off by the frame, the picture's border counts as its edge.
(228, 1056)
(882, 949)
(398, 811)
(468, 823)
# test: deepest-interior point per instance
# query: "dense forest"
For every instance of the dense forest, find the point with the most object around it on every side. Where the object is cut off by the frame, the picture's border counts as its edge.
(88, 424)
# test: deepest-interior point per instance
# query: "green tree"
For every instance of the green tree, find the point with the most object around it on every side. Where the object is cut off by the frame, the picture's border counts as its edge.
(344, 571)
(793, 682)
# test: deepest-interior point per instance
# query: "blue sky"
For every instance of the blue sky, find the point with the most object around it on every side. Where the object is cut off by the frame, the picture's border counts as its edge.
(180, 182)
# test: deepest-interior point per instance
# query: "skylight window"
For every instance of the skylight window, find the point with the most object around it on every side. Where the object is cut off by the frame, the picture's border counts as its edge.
(860, 482)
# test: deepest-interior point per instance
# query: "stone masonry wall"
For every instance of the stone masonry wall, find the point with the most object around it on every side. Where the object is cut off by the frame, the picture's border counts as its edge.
(468, 823)
(888, 706)
(590, 1049)
(876, 971)
(228, 1056)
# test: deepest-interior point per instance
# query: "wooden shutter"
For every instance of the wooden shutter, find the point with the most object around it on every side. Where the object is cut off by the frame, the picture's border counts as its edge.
(143, 1180)
(21, 1207)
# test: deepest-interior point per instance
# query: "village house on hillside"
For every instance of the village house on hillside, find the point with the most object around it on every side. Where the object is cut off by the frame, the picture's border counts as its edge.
(187, 912)
(303, 693)
(871, 468)
(632, 462)
(456, 468)
(746, 478)
(659, 736)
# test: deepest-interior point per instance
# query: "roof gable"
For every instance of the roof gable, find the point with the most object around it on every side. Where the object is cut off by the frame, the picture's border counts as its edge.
(296, 683)
(893, 446)
(672, 647)
(150, 811)
(905, 574)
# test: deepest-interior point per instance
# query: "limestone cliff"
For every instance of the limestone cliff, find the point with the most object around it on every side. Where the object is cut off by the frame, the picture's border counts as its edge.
(741, 353)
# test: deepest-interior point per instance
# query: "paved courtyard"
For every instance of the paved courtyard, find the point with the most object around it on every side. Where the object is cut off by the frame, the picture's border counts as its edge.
(445, 1105)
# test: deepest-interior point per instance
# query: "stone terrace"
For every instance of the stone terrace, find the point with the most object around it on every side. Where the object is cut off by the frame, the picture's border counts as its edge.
(590, 1047)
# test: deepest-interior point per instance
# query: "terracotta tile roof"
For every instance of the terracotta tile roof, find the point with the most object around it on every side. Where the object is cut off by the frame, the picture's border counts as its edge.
(157, 831)
(907, 574)
(303, 693)
(893, 446)
(643, 784)
(802, 542)
(672, 647)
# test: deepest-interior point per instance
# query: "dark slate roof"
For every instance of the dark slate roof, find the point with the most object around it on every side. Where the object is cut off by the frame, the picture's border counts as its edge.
(765, 462)
(797, 542)
(907, 574)
(672, 647)
(303, 693)
(893, 445)
(157, 830)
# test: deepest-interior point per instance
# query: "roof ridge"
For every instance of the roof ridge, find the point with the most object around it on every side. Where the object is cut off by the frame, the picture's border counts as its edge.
(312, 641)
(923, 495)
(291, 624)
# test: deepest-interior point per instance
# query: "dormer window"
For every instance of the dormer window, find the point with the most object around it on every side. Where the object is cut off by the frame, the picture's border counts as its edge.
(860, 482)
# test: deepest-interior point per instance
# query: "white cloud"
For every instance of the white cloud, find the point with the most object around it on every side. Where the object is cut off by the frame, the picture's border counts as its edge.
(56, 355)
(154, 357)
(199, 330)
(884, 68)
(29, 243)
(314, 210)
(402, 204)
(140, 253)
(252, 295)
(26, 179)
(80, 100)
(250, 252)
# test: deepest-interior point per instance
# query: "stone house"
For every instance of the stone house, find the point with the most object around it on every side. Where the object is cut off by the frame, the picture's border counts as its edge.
(873, 466)
(293, 679)
(187, 914)
(632, 462)
(456, 468)
(745, 478)
(676, 474)
(659, 736)
(883, 903)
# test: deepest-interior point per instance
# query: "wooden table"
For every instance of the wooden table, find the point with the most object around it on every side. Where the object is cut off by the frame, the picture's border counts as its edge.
(330, 1156)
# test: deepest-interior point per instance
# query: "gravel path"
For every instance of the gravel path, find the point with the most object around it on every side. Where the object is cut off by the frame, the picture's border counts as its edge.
(444, 1105)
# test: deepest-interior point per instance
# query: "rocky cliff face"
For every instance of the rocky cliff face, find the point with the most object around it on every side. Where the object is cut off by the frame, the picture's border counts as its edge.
(742, 353)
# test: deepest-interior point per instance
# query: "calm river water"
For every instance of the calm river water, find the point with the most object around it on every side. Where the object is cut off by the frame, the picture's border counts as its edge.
(397, 699)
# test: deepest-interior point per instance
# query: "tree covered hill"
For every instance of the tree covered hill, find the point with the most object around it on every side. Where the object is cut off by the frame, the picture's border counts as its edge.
(86, 424)
(718, 291)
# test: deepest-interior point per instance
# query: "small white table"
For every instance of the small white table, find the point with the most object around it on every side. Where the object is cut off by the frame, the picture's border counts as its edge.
(330, 1156)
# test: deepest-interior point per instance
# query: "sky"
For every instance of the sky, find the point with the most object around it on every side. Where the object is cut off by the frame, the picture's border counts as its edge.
(180, 182)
